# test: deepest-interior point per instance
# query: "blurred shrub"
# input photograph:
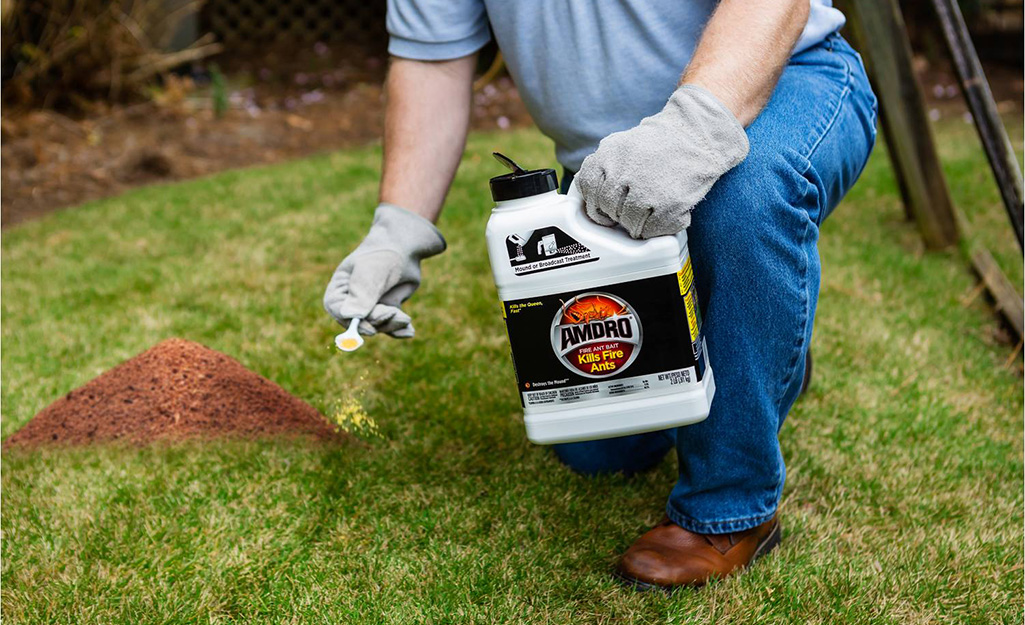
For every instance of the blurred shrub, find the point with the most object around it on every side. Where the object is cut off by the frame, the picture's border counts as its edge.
(69, 54)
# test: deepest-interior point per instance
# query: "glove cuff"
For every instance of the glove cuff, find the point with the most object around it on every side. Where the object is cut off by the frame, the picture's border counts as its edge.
(414, 234)
(722, 131)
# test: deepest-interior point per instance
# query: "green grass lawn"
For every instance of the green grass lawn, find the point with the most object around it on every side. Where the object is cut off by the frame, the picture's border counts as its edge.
(969, 175)
(903, 504)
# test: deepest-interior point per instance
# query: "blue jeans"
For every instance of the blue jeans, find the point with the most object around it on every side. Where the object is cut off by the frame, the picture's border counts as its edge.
(753, 242)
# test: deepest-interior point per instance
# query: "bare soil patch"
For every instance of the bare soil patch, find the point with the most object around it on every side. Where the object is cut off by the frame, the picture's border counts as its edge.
(175, 390)
(51, 161)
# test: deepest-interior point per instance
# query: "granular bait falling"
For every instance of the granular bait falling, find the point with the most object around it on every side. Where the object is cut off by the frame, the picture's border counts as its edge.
(175, 390)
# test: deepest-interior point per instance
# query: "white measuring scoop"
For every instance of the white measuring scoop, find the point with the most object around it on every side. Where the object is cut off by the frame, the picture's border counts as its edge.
(350, 340)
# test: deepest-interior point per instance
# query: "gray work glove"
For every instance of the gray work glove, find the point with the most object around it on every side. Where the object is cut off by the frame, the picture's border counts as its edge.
(382, 272)
(649, 178)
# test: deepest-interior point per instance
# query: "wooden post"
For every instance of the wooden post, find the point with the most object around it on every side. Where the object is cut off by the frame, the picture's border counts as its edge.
(878, 32)
(984, 110)
(1008, 302)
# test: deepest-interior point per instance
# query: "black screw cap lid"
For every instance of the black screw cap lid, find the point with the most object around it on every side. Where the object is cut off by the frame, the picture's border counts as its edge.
(521, 182)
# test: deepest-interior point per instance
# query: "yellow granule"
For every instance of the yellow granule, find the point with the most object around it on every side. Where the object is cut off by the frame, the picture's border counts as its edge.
(351, 417)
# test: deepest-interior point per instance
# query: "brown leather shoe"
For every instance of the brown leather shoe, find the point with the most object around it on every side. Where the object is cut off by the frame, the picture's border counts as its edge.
(668, 555)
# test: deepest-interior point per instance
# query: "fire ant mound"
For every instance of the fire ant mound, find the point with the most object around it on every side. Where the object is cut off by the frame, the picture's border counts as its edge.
(176, 389)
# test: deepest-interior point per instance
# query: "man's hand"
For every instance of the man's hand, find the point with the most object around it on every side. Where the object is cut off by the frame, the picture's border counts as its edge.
(426, 119)
(383, 272)
(649, 178)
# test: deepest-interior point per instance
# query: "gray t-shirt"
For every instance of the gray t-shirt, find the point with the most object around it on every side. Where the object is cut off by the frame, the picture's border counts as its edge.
(585, 69)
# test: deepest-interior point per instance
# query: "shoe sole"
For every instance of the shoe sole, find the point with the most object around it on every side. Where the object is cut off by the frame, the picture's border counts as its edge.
(768, 544)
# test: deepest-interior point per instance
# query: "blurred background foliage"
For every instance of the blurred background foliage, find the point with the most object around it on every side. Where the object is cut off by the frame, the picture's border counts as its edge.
(69, 54)
(65, 54)
(101, 96)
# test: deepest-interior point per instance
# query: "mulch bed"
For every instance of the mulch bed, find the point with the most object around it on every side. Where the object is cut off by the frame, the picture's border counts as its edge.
(175, 390)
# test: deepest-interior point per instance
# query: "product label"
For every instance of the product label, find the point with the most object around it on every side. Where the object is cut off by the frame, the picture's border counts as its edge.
(596, 335)
(622, 339)
(545, 249)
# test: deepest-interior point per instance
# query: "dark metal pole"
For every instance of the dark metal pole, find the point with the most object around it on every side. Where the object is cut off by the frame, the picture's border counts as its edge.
(984, 110)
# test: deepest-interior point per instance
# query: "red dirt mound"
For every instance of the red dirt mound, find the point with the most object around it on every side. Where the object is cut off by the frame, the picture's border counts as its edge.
(176, 389)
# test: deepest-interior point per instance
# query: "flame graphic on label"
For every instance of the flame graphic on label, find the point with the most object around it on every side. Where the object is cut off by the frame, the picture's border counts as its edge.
(592, 308)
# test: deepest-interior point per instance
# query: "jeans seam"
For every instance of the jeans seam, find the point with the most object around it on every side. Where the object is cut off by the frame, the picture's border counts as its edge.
(723, 521)
(694, 524)
(799, 343)
(836, 112)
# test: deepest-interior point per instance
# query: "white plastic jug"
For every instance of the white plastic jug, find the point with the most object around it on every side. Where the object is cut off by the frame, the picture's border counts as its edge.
(604, 328)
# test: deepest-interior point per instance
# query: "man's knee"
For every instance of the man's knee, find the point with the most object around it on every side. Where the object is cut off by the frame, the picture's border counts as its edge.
(753, 203)
(626, 454)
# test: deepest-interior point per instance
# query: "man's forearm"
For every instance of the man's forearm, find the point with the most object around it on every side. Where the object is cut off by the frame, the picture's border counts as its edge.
(426, 119)
(743, 50)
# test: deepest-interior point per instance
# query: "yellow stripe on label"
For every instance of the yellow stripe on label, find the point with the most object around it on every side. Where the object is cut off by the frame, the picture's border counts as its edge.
(685, 276)
(503, 310)
(692, 315)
